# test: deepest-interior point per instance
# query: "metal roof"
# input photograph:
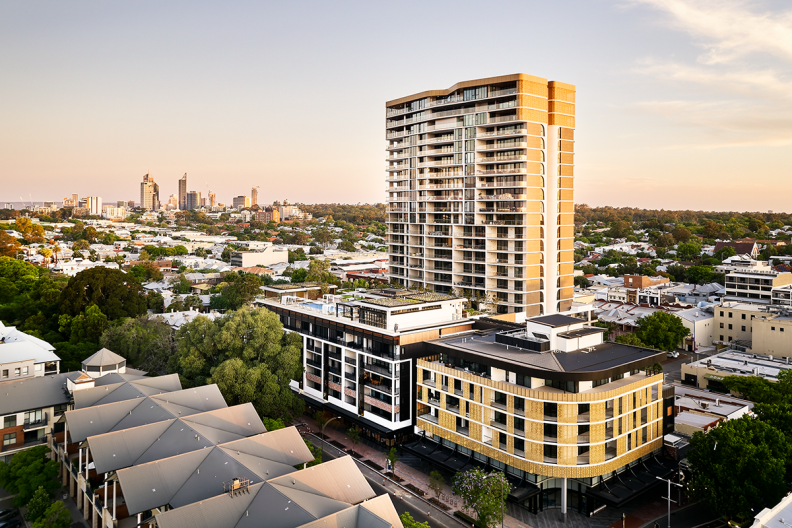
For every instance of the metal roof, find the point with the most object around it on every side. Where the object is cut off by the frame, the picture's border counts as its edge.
(282, 445)
(339, 479)
(34, 393)
(104, 358)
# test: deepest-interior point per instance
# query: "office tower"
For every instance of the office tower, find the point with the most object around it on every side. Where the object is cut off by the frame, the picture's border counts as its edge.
(254, 196)
(240, 202)
(193, 200)
(131, 204)
(94, 205)
(149, 194)
(9, 205)
(71, 202)
(212, 199)
(120, 203)
(183, 192)
(173, 203)
(480, 180)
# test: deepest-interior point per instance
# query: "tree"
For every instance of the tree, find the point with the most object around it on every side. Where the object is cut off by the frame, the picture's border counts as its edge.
(661, 330)
(582, 282)
(201, 252)
(9, 246)
(436, 482)
(115, 293)
(700, 274)
(725, 252)
(483, 493)
(56, 516)
(392, 457)
(146, 343)
(268, 359)
(27, 472)
(38, 504)
(147, 271)
(354, 436)
(629, 339)
(299, 275)
(689, 251)
(346, 245)
(754, 388)
(88, 325)
(323, 236)
(681, 234)
(408, 522)
(180, 284)
(665, 241)
(738, 467)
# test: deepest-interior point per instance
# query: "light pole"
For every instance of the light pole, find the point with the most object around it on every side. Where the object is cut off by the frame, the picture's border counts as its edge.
(669, 496)
(323, 435)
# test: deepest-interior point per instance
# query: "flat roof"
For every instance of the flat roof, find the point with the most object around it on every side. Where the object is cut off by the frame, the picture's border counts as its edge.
(556, 320)
(587, 364)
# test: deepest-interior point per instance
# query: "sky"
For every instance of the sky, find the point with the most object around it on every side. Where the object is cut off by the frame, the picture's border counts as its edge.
(681, 104)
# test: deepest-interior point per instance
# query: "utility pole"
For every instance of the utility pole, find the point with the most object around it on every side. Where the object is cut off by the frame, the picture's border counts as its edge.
(669, 497)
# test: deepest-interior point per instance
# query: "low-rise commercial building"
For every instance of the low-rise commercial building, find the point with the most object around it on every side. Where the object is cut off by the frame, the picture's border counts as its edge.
(708, 373)
(264, 257)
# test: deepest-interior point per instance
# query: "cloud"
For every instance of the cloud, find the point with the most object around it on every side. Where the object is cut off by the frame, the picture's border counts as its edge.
(734, 102)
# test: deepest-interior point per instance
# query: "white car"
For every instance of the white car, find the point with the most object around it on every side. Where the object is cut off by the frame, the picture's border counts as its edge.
(673, 354)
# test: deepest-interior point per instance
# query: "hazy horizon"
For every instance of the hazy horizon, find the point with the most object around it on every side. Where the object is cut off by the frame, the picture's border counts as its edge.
(681, 104)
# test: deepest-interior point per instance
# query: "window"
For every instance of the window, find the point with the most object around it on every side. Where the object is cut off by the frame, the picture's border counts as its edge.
(9, 421)
(721, 337)
(730, 338)
(743, 328)
(772, 328)
(730, 315)
(5, 373)
(16, 372)
(782, 329)
(24, 371)
(730, 326)
(9, 439)
(60, 409)
(721, 314)
(721, 325)
(743, 316)
(37, 367)
(32, 417)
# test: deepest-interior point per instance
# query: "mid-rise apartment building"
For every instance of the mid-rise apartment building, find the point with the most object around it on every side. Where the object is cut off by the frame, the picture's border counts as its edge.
(149, 194)
(480, 191)
(571, 419)
(762, 329)
(193, 200)
(753, 281)
(359, 353)
(241, 201)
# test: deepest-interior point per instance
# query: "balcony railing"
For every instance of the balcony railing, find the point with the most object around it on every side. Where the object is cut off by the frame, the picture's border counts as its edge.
(37, 424)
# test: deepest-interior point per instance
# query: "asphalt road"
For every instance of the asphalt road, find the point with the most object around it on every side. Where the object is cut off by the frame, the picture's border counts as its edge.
(403, 501)
(672, 368)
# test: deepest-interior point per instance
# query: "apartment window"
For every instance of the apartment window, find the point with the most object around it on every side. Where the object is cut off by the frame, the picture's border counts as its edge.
(781, 329)
(24, 371)
(17, 371)
(730, 326)
(32, 417)
(9, 421)
(743, 328)
(743, 316)
(550, 430)
(60, 409)
(9, 439)
(37, 367)
(730, 338)
(730, 315)
(721, 325)
(5, 373)
(721, 337)
(772, 328)
(721, 314)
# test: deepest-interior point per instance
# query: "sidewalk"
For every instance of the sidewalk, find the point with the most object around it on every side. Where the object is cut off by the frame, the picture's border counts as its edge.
(409, 474)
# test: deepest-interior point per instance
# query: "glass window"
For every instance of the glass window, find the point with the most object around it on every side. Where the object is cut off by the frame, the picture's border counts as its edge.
(24, 371)
(5, 373)
(17, 372)
(9, 439)
(9, 421)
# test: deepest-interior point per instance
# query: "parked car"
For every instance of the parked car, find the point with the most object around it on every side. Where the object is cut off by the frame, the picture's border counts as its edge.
(7, 514)
(16, 523)
(673, 354)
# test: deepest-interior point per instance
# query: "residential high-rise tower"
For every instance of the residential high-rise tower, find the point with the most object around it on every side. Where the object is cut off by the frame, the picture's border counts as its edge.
(149, 194)
(480, 192)
(183, 192)
(193, 201)
(254, 196)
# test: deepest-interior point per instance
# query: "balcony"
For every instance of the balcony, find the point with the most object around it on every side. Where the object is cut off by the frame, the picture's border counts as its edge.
(519, 131)
(498, 425)
(350, 376)
(28, 426)
(429, 418)
(463, 431)
(379, 370)
(382, 387)
(498, 405)
(314, 363)
(429, 382)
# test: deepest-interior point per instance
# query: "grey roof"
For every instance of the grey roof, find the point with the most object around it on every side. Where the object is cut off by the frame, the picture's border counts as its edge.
(555, 320)
(287, 502)
(102, 358)
(282, 445)
(142, 410)
(171, 437)
(34, 393)
(117, 387)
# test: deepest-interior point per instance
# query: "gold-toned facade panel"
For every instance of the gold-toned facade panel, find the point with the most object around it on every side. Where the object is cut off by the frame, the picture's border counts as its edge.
(566, 207)
(566, 269)
(534, 168)
(528, 114)
(519, 77)
(559, 107)
(566, 231)
(534, 180)
(567, 281)
(534, 142)
(534, 129)
(567, 146)
(561, 120)
(562, 91)
(566, 293)
(530, 101)
(534, 193)
(568, 158)
(534, 155)
(568, 134)
(566, 182)
(533, 87)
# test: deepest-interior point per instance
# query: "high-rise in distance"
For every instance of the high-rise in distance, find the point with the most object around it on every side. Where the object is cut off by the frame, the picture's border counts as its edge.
(149, 194)
(183, 193)
(480, 192)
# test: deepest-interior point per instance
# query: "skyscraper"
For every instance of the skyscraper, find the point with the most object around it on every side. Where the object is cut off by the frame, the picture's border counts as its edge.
(254, 196)
(193, 201)
(480, 181)
(94, 205)
(242, 201)
(183, 192)
(149, 194)
(212, 199)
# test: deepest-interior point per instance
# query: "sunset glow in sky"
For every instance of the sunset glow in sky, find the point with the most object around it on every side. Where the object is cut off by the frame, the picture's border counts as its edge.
(681, 104)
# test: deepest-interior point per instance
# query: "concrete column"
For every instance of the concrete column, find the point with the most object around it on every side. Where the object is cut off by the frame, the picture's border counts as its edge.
(87, 453)
(564, 499)
(79, 466)
(65, 470)
(94, 518)
(79, 491)
(114, 500)
(87, 504)
(104, 503)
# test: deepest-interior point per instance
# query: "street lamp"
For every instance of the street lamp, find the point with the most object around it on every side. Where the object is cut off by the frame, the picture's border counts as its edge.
(503, 499)
(323, 435)
(669, 494)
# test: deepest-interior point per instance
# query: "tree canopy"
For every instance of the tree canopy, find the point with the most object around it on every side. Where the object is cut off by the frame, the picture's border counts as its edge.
(249, 357)
(28, 471)
(483, 493)
(661, 330)
(146, 343)
(116, 293)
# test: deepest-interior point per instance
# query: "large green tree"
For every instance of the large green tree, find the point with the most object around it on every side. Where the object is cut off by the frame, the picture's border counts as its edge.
(146, 343)
(27, 471)
(56, 516)
(249, 357)
(739, 467)
(116, 293)
(483, 493)
(661, 330)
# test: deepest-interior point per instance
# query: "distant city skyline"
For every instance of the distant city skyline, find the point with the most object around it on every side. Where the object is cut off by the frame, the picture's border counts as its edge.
(686, 103)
